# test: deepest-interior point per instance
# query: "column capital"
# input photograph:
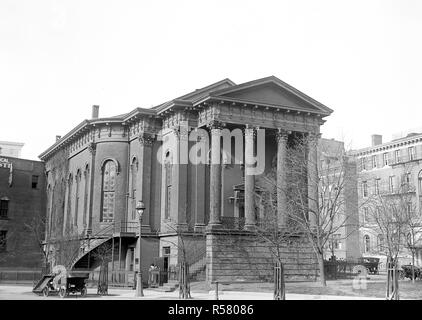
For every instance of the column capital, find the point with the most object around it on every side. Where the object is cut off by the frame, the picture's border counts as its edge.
(92, 148)
(215, 125)
(282, 134)
(314, 135)
(146, 139)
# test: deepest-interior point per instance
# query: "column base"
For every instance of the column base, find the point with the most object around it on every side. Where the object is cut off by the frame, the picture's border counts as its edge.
(182, 227)
(200, 227)
(214, 226)
(250, 227)
(146, 228)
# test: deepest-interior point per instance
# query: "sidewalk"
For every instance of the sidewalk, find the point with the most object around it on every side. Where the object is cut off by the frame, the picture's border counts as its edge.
(13, 292)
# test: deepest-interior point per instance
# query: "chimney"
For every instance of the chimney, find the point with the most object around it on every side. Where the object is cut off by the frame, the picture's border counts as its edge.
(95, 111)
(58, 138)
(376, 139)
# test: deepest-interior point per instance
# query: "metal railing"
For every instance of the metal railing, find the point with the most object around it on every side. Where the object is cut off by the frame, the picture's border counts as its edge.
(90, 242)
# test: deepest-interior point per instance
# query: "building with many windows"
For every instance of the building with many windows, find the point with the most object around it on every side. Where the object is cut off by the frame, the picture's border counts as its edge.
(388, 168)
(22, 212)
(98, 171)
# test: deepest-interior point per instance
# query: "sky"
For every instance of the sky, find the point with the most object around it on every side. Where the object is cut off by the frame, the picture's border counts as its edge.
(58, 58)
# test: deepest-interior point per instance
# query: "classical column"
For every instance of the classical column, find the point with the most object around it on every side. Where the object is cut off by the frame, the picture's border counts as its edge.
(146, 142)
(215, 176)
(250, 217)
(92, 150)
(281, 137)
(312, 177)
(200, 190)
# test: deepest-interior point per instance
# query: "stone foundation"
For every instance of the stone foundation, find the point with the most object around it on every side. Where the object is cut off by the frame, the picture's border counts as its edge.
(240, 255)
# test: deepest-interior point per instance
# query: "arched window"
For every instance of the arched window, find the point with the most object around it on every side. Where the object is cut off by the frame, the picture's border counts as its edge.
(108, 191)
(134, 174)
(367, 243)
(168, 174)
(77, 195)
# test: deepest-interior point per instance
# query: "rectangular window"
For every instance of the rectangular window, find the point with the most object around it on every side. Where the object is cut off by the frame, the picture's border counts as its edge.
(166, 251)
(412, 153)
(391, 183)
(377, 186)
(385, 159)
(374, 161)
(397, 156)
(4, 208)
(3, 240)
(34, 183)
(337, 241)
(365, 215)
(363, 163)
(365, 189)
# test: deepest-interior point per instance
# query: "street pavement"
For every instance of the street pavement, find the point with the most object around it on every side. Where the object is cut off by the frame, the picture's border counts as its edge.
(24, 292)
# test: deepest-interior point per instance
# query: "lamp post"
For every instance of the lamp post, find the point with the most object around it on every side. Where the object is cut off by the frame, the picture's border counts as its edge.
(140, 208)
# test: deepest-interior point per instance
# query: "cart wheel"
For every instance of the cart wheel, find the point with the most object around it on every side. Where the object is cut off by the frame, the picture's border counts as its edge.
(83, 292)
(45, 292)
(62, 292)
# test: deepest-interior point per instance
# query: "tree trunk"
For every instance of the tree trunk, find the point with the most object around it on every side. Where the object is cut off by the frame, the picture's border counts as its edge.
(320, 258)
(279, 283)
(413, 267)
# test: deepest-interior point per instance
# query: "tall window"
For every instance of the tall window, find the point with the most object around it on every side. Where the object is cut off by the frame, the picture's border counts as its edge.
(374, 161)
(134, 172)
(367, 243)
(377, 186)
(4, 207)
(363, 163)
(385, 158)
(78, 187)
(397, 156)
(391, 183)
(3, 240)
(108, 191)
(412, 153)
(336, 241)
(34, 182)
(365, 215)
(365, 189)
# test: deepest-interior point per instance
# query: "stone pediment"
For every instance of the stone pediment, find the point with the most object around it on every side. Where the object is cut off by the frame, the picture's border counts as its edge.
(272, 91)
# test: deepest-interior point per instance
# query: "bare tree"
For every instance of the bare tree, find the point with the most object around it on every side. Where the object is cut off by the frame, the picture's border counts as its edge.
(187, 254)
(389, 216)
(321, 193)
(37, 228)
(271, 232)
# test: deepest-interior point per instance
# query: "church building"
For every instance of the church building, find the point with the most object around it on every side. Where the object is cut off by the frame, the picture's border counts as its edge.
(199, 188)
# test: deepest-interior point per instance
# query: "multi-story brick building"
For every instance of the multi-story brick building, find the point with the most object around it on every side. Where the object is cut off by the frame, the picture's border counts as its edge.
(99, 170)
(22, 208)
(344, 243)
(384, 168)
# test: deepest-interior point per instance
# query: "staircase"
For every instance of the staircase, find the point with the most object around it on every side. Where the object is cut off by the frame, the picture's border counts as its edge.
(92, 242)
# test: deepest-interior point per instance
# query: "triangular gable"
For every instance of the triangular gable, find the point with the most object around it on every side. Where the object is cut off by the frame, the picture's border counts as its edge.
(272, 91)
(220, 85)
